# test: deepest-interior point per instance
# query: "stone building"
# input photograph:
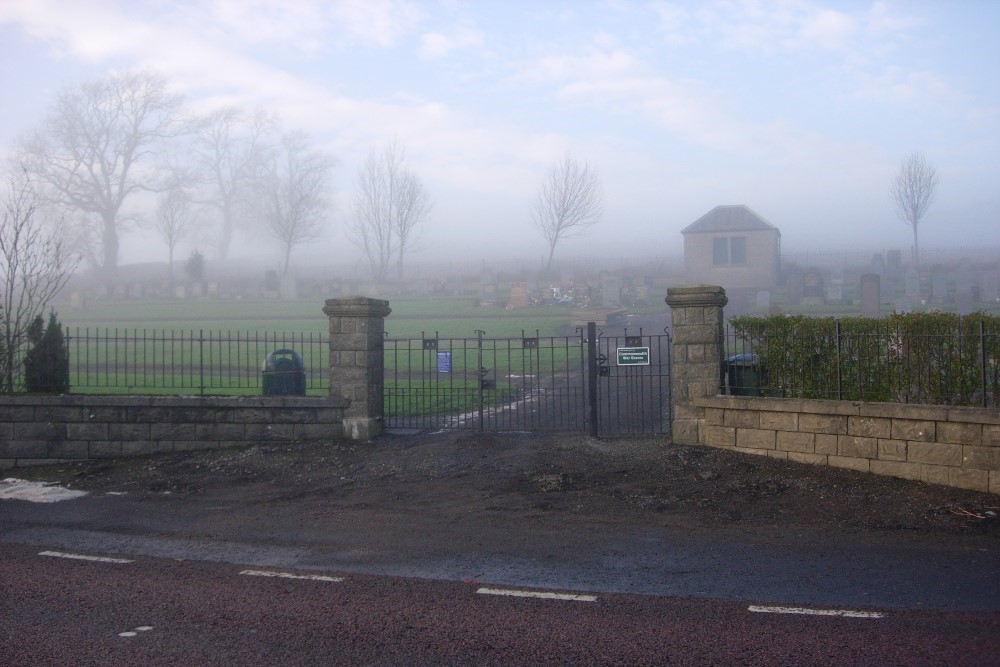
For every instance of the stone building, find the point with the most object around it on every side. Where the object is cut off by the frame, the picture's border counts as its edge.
(734, 247)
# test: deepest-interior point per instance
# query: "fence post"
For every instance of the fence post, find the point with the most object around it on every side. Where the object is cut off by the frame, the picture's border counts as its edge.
(357, 361)
(696, 344)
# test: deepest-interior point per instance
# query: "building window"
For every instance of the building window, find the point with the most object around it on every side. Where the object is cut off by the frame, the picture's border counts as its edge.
(729, 251)
(738, 251)
(720, 252)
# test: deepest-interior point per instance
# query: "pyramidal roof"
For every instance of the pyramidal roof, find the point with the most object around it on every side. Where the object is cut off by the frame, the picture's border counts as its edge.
(736, 218)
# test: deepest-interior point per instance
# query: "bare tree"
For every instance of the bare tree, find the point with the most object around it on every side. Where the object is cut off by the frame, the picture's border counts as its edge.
(389, 205)
(34, 266)
(569, 202)
(293, 195)
(174, 219)
(96, 149)
(913, 190)
(229, 149)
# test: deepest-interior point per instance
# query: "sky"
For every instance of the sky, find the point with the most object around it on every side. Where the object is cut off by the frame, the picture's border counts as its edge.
(801, 110)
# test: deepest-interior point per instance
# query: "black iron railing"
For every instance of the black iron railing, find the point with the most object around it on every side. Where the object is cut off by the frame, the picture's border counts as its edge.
(141, 361)
(855, 359)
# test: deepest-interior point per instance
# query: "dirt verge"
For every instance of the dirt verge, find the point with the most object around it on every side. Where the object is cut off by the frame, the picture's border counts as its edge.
(644, 480)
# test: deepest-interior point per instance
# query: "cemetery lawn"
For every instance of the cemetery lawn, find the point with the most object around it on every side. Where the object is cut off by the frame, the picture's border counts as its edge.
(443, 317)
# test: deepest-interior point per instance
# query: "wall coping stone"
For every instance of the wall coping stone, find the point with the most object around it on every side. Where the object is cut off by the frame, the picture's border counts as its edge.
(916, 411)
(225, 402)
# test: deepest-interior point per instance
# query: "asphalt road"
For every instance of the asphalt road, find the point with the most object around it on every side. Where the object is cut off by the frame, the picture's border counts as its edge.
(536, 549)
(57, 609)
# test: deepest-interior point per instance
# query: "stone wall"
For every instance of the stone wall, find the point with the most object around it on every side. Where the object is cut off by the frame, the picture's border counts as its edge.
(953, 446)
(52, 429)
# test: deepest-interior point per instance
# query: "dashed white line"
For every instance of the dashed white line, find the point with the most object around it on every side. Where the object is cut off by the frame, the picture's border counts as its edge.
(575, 597)
(845, 613)
(289, 575)
(96, 559)
(135, 631)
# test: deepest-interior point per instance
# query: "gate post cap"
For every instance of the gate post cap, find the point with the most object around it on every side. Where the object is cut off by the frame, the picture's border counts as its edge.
(696, 295)
(356, 306)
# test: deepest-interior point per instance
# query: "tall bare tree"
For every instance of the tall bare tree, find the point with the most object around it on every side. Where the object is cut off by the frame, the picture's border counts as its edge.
(229, 149)
(390, 203)
(34, 266)
(913, 191)
(97, 150)
(294, 194)
(569, 202)
(174, 219)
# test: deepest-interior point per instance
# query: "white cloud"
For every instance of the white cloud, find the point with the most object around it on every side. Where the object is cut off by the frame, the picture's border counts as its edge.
(918, 89)
(378, 22)
(438, 45)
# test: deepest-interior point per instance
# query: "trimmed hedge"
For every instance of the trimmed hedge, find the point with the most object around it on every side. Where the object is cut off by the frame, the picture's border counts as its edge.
(935, 358)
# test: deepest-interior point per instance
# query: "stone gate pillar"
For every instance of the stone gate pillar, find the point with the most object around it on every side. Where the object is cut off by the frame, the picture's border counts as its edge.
(357, 364)
(697, 346)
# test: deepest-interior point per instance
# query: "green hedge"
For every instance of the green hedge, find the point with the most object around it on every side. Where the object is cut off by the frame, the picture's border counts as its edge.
(937, 358)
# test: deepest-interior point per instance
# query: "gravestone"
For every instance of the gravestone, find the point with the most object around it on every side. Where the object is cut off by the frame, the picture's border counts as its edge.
(871, 300)
(812, 288)
(939, 286)
(963, 287)
(911, 282)
(990, 290)
(794, 285)
(878, 264)
(77, 301)
(611, 291)
(894, 262)
(889, 289)
(518, 295)
(763, 299)
(835, 289)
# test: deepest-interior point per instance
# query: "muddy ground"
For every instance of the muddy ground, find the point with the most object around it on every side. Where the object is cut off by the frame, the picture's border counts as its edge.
(638, 480)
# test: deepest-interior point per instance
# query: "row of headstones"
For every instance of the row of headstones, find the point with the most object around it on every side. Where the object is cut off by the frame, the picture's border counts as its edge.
(285, 289)
(608, 294)
(969, 287)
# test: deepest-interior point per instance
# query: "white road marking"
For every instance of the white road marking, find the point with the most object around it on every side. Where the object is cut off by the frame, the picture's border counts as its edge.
(846, 613)
(537, 594)
(135, 631)
(96, 559)
(289, 575)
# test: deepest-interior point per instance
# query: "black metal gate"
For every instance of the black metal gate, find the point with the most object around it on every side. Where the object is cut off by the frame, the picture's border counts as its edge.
(532, 383)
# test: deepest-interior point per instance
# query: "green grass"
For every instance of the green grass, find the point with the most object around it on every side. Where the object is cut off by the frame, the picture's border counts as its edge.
(455, 317)
(412, 399)
(154, 346)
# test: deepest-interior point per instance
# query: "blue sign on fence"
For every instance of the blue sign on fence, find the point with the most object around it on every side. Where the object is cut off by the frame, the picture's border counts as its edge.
(444, 362)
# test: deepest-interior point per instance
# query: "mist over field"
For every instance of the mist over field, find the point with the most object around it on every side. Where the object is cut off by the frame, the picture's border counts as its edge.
(802, 111)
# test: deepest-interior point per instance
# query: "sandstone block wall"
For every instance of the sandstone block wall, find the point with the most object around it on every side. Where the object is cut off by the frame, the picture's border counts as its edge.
(52, 429)
(954, 446)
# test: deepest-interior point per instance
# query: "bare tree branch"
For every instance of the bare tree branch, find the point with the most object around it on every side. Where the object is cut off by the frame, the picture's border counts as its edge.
(34, 266)
(229, 150)
(92, 154)
(294, 194)
(569, 202)
(390, 203)
(913, 191)
(174, 219)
